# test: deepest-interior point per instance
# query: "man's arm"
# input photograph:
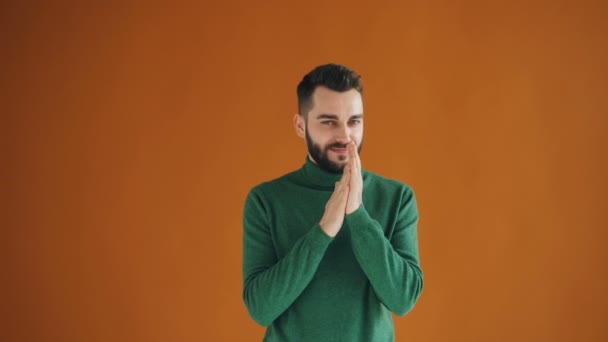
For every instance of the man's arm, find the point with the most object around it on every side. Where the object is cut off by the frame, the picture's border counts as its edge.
(272, 285)
(392, 266)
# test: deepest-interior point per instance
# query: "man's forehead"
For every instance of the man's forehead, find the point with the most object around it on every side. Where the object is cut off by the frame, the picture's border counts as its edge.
(342, 104)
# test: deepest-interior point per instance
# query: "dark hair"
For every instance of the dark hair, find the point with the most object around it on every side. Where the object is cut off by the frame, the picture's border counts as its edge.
(333, 76)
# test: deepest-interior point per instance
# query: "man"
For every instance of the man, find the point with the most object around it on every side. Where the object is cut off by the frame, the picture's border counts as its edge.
(330, 250)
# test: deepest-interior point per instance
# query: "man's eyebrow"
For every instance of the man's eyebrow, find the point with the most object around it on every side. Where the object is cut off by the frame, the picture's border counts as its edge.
(327, 116)
(335, 117)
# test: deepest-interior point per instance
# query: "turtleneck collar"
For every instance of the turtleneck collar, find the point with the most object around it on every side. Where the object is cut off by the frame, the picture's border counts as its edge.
(313, 175)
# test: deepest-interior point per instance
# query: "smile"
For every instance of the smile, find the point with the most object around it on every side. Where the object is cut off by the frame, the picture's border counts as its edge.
(339, 150)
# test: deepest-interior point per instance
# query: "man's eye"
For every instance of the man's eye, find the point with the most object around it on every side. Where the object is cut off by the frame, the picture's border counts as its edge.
(329, 123)
(355, 122)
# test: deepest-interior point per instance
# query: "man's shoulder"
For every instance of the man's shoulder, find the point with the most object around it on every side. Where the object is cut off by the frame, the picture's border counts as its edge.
(376, 179)
(275, 184)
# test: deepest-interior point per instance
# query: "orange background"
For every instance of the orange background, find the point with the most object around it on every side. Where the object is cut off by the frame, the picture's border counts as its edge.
(134, 131)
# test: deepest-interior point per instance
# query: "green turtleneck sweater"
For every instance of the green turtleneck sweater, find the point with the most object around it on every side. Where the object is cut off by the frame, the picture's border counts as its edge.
(306, 286)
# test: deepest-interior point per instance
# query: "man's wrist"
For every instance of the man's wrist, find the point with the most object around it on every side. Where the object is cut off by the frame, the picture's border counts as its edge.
(354, 209)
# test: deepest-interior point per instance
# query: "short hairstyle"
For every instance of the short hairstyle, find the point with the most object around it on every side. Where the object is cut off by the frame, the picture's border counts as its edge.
(333, 76)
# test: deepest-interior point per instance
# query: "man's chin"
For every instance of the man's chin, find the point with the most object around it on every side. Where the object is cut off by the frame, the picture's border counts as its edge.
(329, 162)
(332, 166)
(338, 167)
(336, 158)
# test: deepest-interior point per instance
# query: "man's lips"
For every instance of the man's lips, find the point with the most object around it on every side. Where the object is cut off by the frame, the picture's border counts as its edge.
(339, 150)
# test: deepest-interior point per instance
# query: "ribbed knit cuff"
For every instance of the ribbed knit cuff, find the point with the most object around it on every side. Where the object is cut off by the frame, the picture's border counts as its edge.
(318, 237)
(359, 219)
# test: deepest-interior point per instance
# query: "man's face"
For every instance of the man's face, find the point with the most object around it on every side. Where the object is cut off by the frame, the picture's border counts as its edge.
(335, 120)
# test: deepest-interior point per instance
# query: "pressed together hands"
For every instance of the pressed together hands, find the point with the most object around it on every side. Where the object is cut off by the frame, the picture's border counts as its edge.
(347, 196)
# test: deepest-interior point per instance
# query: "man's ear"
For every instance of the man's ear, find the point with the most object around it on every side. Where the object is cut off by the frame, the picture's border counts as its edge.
(300, 125)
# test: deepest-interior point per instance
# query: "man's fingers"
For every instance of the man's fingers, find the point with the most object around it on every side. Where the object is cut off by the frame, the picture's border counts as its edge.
(346, 173)
(355, 155)
(352, 158)
(346, 170)
(353, 166)
(341, 188)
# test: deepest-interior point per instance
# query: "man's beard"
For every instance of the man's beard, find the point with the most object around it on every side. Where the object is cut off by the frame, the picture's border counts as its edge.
(321, 156)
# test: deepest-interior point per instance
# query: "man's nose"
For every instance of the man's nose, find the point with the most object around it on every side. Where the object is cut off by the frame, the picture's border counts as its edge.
(343, 134)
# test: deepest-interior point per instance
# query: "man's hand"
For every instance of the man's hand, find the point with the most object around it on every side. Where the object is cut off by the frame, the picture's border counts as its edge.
(332, 219)
(355, 195)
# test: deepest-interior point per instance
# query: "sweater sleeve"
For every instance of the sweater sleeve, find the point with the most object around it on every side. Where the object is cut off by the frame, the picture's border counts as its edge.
(271, 284)
(392, 266)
